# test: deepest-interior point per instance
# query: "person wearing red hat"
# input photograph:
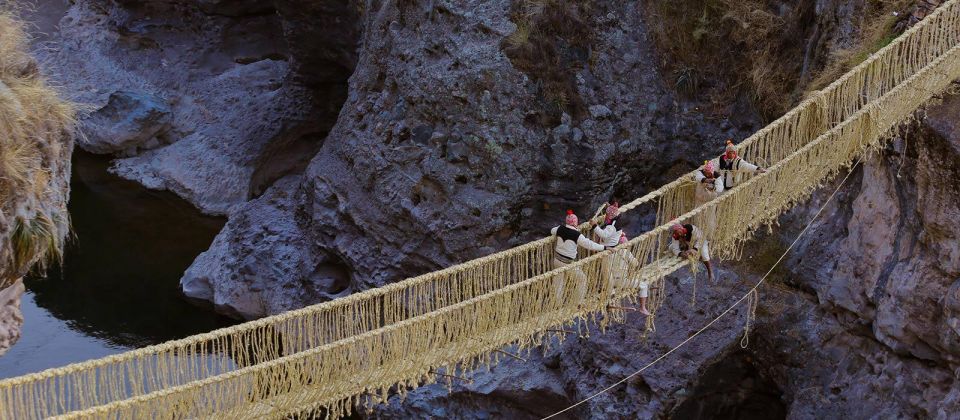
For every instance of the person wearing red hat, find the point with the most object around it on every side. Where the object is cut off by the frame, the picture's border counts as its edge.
(730, 166)
(616, 266)
(708, 187)
(688, 241)
(611, 229)
(569, 240)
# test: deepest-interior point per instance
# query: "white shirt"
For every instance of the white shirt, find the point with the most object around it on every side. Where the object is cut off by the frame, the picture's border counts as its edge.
(568, 239)
(697, 241)
(609, 235)
(706, 191)
(729, 176)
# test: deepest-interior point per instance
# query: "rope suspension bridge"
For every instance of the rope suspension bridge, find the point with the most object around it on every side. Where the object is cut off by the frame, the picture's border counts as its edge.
(361, 349)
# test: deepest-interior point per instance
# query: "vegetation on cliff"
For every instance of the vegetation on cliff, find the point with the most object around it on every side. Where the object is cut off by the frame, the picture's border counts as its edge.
(775, 52)
(36, 126)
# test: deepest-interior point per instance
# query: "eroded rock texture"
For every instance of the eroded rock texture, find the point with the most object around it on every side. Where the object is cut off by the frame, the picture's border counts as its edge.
(11, 319)
(202, 96)
(356, 143)
(884, 267)
(444, 151)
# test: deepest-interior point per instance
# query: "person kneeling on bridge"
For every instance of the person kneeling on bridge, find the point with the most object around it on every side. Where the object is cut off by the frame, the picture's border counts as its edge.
(688, 241)
(730, 166)
(569, 240)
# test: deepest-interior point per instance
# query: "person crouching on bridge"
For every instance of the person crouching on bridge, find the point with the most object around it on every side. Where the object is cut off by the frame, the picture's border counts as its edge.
(689, 241)
(730, 167)
(569, 240)
(708, 187)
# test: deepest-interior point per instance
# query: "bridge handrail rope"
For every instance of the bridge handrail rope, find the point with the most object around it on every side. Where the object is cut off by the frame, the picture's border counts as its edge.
(141, 375)
(750, 295)
(336, 376)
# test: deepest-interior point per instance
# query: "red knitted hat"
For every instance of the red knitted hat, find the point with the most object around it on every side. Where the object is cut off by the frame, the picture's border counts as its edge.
(677, 228)
(572, 219)
(708, 166)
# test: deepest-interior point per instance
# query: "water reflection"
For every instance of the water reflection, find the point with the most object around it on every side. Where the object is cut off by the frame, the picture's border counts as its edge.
(118, 286)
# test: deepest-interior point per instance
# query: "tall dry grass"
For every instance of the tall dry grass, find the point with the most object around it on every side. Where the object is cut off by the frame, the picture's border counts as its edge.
(36, 129)
(878, 27)
(551, 43)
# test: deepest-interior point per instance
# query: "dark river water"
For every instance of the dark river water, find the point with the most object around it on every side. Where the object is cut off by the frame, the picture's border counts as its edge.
(118, 288)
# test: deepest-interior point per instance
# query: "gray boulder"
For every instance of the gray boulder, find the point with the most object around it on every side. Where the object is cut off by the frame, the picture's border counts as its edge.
(11, 318)
(129, 121)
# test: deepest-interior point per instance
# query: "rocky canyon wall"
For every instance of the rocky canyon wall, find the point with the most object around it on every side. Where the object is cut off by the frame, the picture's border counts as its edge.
(444, 150)
(859, 321)
(354, 143)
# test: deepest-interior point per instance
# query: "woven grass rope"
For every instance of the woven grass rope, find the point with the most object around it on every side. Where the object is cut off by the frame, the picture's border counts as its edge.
(327, 358)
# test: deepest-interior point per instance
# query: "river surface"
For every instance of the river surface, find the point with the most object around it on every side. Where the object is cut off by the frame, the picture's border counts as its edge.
(118, 287)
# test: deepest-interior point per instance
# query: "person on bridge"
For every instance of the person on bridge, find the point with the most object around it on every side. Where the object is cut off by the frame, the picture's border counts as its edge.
(708, 187)
(689, 241)
(730, 166)
(569, 240)
(617, 266)
(611, 229)
(628, 261)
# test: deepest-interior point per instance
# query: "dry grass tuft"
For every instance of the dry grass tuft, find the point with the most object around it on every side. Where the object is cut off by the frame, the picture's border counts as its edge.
(552, 41)
(718, 49)
(37, 128)
(880, 27)
(715, 50)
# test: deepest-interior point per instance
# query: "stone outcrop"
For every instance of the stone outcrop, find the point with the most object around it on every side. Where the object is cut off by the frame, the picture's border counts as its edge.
(11, 319)
(201, 94)
(129, 121)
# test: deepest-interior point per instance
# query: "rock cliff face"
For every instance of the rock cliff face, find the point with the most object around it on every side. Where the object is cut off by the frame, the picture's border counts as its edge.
(445, 151)
(354, 143)
(884, 267)
(202, 98)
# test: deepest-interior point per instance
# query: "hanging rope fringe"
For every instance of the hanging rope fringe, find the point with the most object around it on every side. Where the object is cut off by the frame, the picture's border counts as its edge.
(752, 301)
(693, 294)
(324, 358)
